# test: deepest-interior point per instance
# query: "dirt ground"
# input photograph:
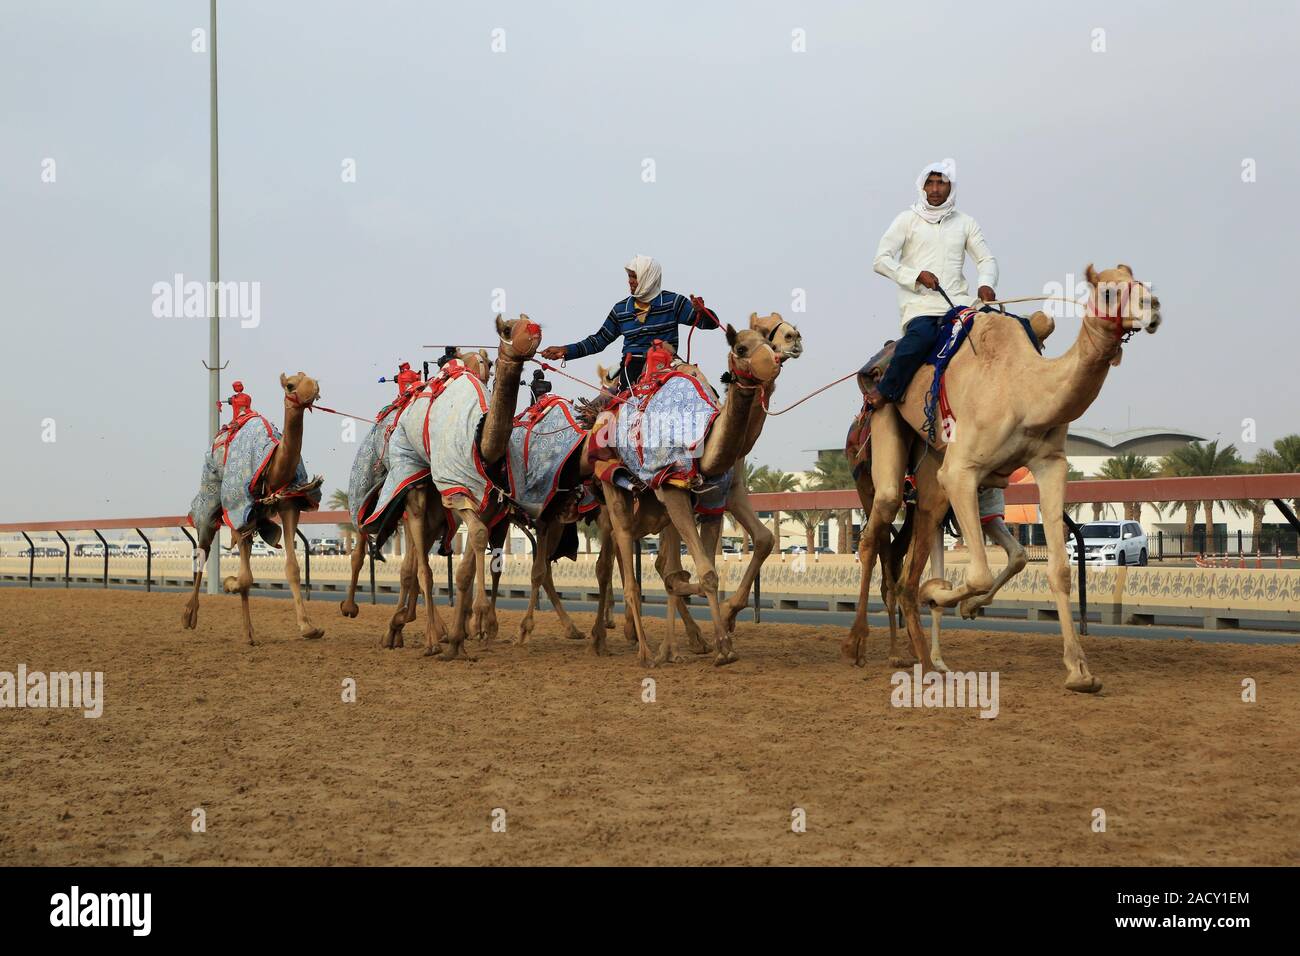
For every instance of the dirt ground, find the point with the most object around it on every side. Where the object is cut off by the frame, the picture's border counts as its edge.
(588, 773)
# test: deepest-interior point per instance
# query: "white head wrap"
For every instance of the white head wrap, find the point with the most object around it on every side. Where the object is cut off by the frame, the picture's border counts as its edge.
(648, 278)
(922, 206)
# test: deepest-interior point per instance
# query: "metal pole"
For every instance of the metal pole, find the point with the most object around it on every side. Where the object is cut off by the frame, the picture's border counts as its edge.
(214, 273)
(451, 590)
(148, 561)
(31, 560)
(373, 599)
(105, 544)
(1160, 544)
(1083, 574)
(758, 594)
(67, 559)
(637, 560)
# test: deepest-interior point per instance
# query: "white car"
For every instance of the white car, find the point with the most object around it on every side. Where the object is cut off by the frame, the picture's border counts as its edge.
(1110, 542)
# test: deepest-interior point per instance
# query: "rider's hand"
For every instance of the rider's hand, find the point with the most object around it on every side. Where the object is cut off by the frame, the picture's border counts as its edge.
(986, 293)
(928, 280)
(554, 353)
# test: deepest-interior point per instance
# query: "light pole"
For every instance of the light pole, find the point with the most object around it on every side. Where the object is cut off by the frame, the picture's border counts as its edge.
(214, 276)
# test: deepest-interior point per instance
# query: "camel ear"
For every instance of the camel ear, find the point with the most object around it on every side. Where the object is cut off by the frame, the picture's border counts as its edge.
(284, 380)
(602, 373)
(487, 362)
(731, 335)
(1090, 274)
(767, 324)
(1128, 269)
(503, 330)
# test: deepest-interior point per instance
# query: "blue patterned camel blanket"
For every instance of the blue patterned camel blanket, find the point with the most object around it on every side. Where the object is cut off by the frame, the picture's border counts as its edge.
(659, 437)
(542, 442)
(437, 438)
(370, 467)
(232, 487)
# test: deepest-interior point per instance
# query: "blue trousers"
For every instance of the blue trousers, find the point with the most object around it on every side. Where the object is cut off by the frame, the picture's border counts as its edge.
(917, 344)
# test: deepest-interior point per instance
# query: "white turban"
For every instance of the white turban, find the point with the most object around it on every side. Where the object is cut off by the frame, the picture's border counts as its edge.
(922, 208)
(648, 278)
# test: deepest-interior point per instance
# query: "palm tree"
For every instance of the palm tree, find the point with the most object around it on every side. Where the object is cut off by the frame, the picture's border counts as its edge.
(832, 472)
(589, 530)
(1130, 466)
(1284, 458)
(1202, 458)
(767, 480)
(338, 501)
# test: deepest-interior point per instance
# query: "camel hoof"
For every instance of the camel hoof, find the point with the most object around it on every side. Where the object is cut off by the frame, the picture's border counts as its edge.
(349, 608)
(596, 650)
(1087, 685)
(315, 634)
(940, 666)
(725, 658)
(700, 647)
(575, 634)
(851, 650)
(230, 584)
(189, 618)
(896, 661)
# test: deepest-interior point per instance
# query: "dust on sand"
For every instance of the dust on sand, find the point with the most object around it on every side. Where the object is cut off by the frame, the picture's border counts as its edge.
(587, 772)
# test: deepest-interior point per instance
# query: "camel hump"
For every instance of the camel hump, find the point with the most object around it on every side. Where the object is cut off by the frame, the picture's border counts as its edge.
(1042, 324)
(874, 369)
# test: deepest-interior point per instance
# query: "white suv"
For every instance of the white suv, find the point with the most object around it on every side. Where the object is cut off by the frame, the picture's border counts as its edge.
(1110, 542)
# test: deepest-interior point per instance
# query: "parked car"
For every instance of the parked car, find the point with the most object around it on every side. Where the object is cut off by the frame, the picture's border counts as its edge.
(800, 549)
(134, 549)
(1110, 542)
(327, 546)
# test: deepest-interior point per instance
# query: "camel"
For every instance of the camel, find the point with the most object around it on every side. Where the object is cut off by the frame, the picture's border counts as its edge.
(891, 553)
(251, 474)
(754, 366)
(458, 443)
(1010, 407)
(787, 341)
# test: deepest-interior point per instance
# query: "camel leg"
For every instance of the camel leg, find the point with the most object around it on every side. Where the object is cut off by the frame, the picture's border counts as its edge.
(241, 584)
(541, 553)
(927, 516)
(960, 482)
(888, 464)
(604, 585)
(421, 500)
(467, 571)
(1016, 560)
(495, 564)
(620, 516)
(289, 521)
(891, 560)
(677, 502)
(760, 536)
(936, 612)
(668, 563)
(566, 623)
(348, 606)
(190, 613)
(1050, 474)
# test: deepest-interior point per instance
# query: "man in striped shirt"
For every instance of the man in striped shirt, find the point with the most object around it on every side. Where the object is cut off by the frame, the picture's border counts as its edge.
(647, 314)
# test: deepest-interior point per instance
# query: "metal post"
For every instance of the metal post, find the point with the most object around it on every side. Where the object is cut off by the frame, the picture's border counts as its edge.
(373, 599)
(67, 560)
(1287, 513)
(214, 272)
(148, 561)
(637, 561)
(105, 544)
(758, 594)
(1083, 574)
(1238, 541)
(306, 554)
(1160, 544)
(451, 589)
(31, 560)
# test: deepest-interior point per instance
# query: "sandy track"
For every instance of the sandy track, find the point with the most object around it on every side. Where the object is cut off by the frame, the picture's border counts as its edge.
(588, 773)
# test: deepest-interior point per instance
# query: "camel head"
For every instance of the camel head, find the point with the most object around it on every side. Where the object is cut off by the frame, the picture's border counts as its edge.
(1115, 296)
(519, 337)
(780, 334)
(478, 363)
(751, 358)
(299, 389)
(608, 378)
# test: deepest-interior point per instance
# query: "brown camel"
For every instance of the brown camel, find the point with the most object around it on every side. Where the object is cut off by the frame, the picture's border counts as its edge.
(281, 489)
(1010, 408)
(754, 366)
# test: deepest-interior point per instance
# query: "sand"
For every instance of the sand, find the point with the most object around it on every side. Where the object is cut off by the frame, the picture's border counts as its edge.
(586, 772)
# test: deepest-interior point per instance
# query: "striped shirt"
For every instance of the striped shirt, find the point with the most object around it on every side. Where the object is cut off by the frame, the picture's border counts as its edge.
(667, 312)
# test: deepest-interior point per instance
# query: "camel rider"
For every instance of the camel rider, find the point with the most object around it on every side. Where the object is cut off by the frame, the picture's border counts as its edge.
(647, 314)
(924, 250)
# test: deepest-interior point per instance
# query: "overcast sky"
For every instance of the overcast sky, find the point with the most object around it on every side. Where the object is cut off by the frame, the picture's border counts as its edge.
(522, 170)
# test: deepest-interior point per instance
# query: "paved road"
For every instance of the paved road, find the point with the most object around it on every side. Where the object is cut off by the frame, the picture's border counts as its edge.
(877, 619)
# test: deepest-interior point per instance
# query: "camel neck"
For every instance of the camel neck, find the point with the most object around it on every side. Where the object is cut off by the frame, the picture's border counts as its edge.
(1071, 382)
(284, 461)
(501, 408)
(726, 440)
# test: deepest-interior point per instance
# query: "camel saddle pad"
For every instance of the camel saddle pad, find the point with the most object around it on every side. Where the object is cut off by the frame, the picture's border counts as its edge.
(544, 437)
(437, 437)
(369, 469)
(232, 486)
(659, 436)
